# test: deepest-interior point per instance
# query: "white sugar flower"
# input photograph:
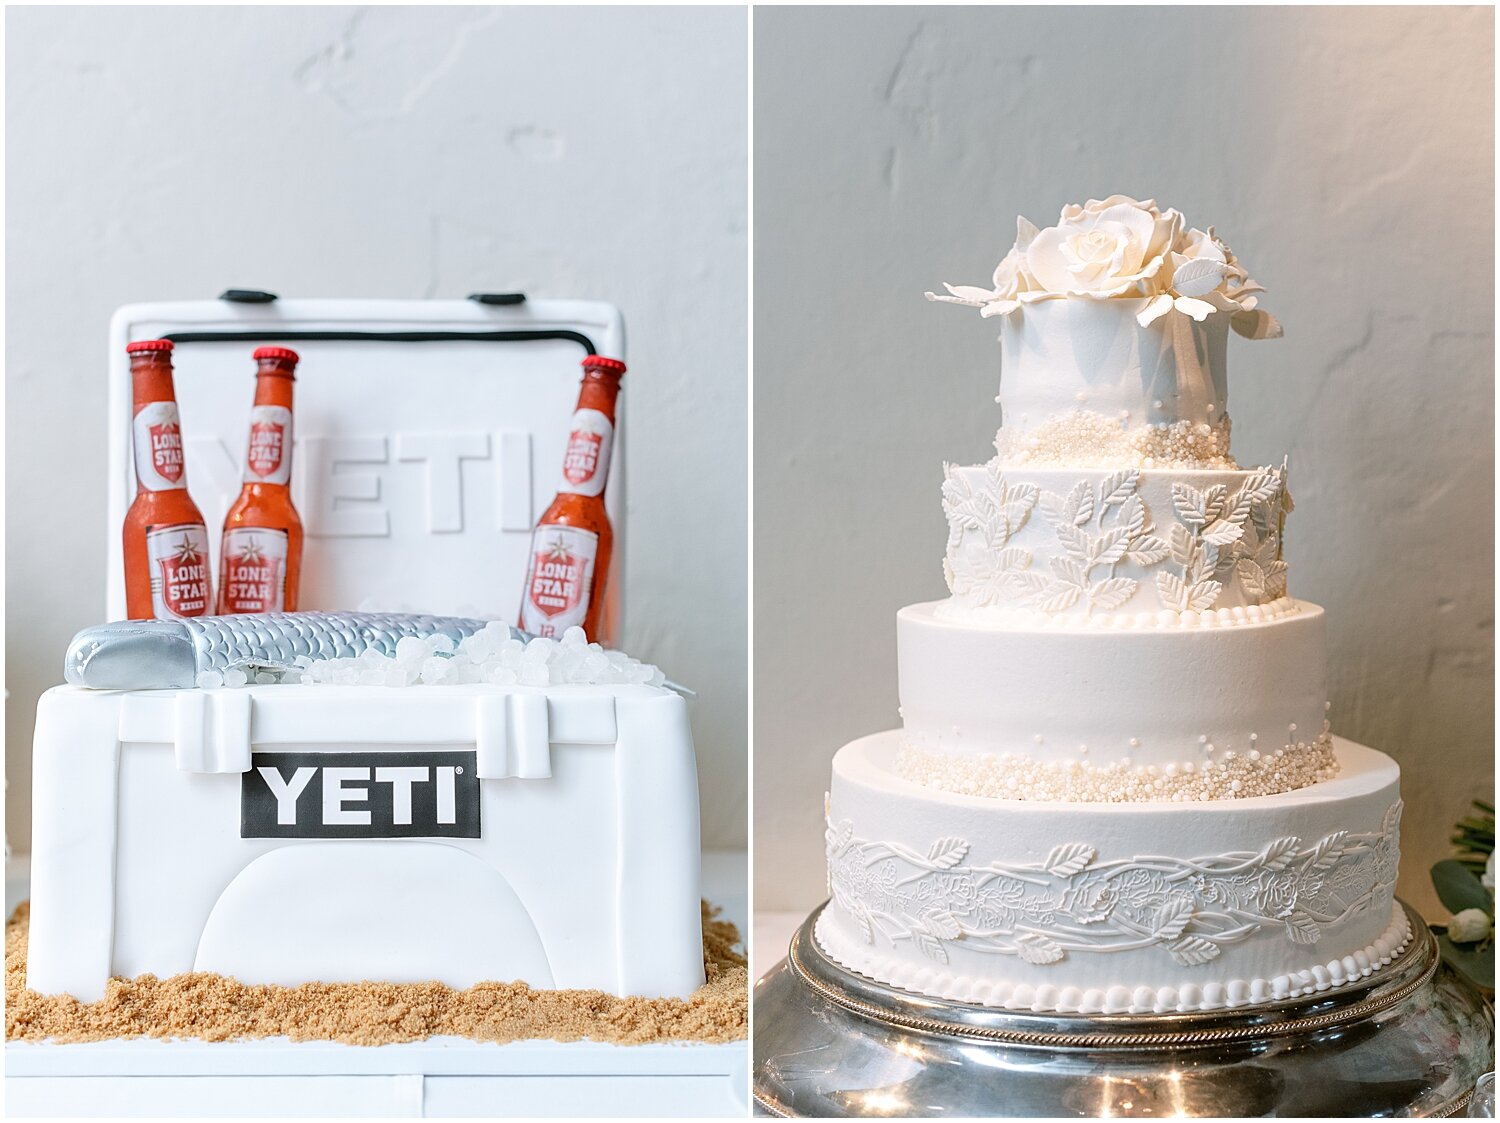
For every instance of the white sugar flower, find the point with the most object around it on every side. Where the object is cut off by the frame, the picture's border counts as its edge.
(1469, 926)
(1113, 250)
(1120, 247)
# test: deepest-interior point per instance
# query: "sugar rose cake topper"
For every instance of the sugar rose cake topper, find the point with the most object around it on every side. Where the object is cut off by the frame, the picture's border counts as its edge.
(1121, 248)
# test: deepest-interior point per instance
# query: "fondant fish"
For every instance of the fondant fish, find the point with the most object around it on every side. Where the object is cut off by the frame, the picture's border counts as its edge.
(161, 654)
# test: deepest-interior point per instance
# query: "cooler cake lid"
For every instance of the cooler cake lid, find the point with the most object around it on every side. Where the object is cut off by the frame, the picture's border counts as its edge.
(428, 436)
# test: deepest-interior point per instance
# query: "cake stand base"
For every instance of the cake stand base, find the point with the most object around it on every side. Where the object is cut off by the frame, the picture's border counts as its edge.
(1409, 1041)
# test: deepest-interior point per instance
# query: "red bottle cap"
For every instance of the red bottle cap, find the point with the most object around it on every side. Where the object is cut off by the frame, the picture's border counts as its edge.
(148, 345)
(275, 353)
(606, 365)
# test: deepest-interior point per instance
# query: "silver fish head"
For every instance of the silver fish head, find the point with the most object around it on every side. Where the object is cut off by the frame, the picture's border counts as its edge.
(132, 654)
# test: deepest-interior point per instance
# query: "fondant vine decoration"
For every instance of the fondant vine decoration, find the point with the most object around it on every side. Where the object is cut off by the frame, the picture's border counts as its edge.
(1220, 531)
(1071, 902)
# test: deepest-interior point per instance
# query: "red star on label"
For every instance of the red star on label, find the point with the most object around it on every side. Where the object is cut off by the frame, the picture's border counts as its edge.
(253, 553)
(186, 551)
(559, 551)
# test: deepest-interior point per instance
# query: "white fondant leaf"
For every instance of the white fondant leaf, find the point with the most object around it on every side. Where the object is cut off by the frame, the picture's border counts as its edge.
(1024, 494)
(1030, 584)
(1059, 598)
(931, 948)
(1133, 516)
(1252, 579)
(1172, 918)
(1279, 852)
(1328, 850)
(1117, 487)
(1069, 570)
(1158, 308)
(1147, 550)
(1075, 541)
(1276, 579)
(1011, 558)
(1109, 548)
(1082, 502)
(1033, 947)
(1302, 929)
(1181, 544)
(1199, 310)
(946, 853)
(841, 836)
(1263, 486)
(1172, 591)
(942, 923)
(1026, 230)
(1214, 500)
(1193, 950)
(1191, 505)
(1055, 507)
(1068, 859)
(1222, 533)
(971, 293)
(1110, 595)
(1203, 594)
(1198, 277)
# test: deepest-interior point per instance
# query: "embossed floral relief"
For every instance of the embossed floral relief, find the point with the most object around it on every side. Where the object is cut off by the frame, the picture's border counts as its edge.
(1219, 532)
(1074, 902)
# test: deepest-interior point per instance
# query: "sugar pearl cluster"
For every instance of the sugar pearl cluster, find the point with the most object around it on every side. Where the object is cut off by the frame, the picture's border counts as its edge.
(1085, 438)
(489, 656)
(1234, 775)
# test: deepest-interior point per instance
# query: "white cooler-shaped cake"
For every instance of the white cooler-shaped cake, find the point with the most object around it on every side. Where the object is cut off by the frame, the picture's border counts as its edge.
(288, 833)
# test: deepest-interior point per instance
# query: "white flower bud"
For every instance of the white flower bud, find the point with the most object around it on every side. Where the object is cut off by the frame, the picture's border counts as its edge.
(1469, 926)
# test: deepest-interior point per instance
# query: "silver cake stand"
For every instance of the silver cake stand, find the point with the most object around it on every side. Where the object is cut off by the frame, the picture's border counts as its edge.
(1409, 1041)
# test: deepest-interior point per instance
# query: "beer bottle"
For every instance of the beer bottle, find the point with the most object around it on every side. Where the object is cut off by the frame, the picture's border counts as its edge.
(260, 557)
(166, 542)
(570, 548)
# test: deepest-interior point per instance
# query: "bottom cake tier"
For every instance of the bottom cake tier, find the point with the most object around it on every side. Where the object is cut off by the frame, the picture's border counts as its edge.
(1114, 907)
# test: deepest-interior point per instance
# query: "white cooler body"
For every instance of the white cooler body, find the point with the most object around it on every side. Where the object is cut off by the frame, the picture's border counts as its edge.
(560, 849)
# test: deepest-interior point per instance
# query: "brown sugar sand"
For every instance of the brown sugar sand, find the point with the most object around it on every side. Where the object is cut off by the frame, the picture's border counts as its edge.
(217, 1008)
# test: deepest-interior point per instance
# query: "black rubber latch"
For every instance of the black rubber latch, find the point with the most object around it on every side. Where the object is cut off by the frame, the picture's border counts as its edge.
(247, 296)
(498, 297)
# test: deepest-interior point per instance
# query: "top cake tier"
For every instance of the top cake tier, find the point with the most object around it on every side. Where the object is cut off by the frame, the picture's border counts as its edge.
(1114, 325)
(1083, 384)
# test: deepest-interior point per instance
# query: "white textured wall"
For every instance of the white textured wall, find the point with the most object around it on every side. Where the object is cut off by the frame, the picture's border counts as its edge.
(166, 153)
(1345, 153)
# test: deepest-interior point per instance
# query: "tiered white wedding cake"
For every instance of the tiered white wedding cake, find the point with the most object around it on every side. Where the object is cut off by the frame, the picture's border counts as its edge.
(1114, 789)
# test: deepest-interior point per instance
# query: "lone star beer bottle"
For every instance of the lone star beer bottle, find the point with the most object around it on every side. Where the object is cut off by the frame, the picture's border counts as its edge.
(260, 558)
(571, 545)
(166, 542)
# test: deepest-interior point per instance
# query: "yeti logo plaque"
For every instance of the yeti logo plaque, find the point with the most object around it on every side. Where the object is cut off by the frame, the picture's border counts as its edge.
(361, 795)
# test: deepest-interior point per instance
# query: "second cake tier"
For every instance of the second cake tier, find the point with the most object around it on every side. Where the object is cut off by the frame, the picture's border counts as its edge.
(1116, 714)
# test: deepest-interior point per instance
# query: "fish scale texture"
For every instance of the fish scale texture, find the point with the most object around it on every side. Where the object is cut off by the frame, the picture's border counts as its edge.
(278, 638)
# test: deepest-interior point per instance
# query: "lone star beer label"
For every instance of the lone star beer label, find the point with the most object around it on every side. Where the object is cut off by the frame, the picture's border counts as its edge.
(158, 447)
(267, 461)
(252, 570)
(179, 570)
(559, 579)
(586, 461)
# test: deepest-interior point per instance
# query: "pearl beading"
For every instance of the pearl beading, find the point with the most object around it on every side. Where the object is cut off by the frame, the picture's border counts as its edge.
(1233, 776)
(1085, 438)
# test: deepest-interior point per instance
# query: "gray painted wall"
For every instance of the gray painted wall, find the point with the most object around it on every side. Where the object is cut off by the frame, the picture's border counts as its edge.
(164, 153)
(1345, 153)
